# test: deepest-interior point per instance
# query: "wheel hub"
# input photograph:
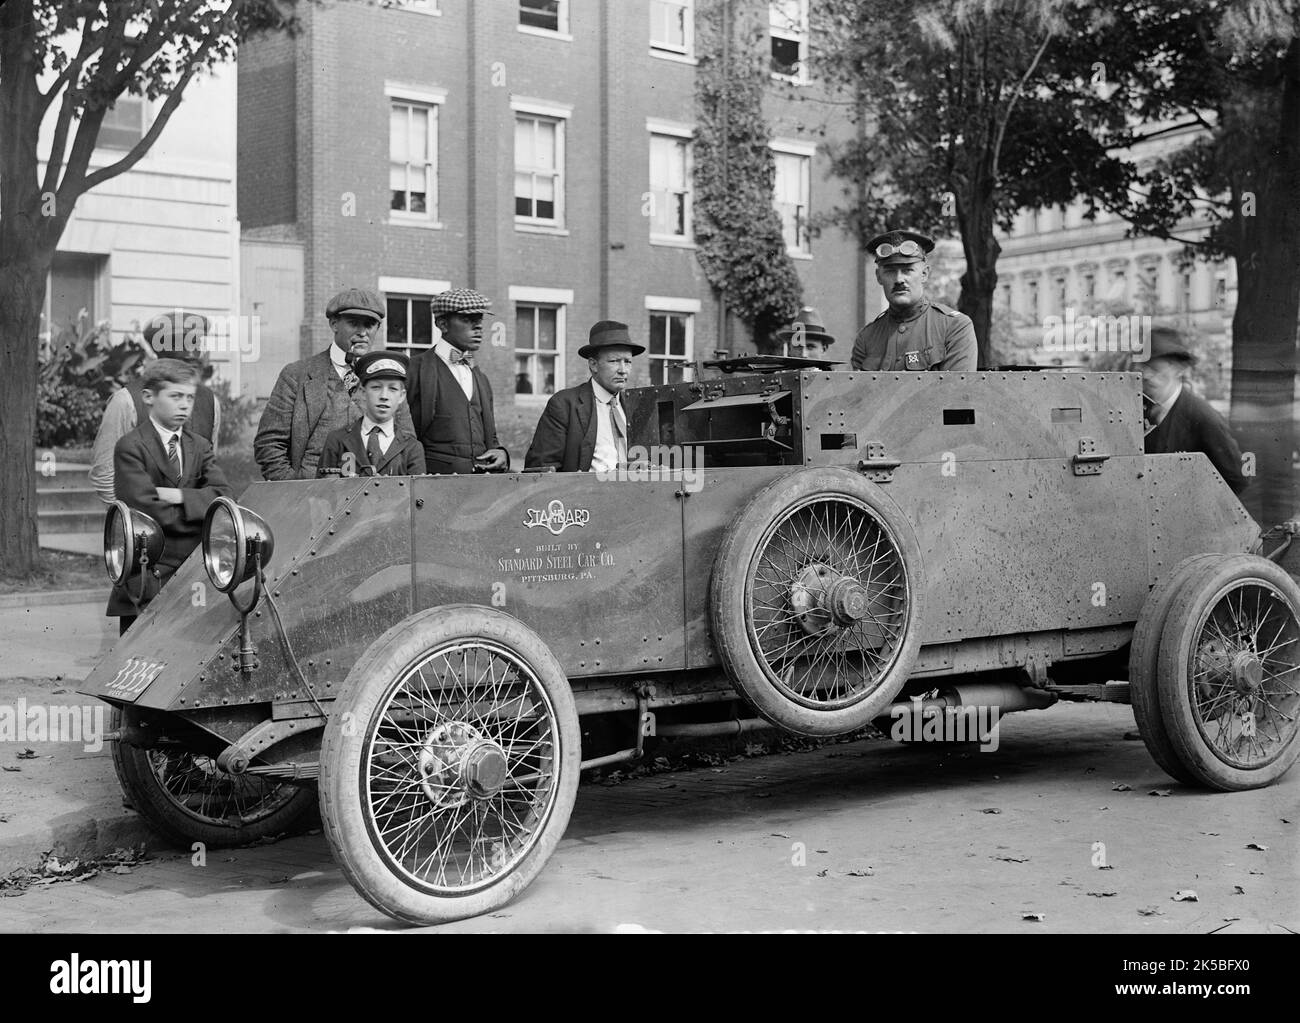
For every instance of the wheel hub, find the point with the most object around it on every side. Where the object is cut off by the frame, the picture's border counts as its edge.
(847, 601)
(457, 762)
(1247, 672)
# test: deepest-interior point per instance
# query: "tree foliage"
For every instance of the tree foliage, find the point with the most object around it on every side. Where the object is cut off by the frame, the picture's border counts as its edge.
(737, 231)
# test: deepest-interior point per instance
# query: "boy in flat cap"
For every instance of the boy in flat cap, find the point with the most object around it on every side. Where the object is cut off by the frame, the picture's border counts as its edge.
(1182, 421)
(914, 333)
(315, 396)
(584, 428)
(176, 334)
(371, 446)
(450, 397)
(807, 335)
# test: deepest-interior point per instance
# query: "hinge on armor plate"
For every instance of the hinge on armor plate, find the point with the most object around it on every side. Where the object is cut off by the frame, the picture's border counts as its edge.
(1088, 461)
(875, 466)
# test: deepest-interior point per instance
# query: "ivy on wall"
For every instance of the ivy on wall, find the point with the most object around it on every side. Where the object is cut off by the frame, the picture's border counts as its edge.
(737, 230)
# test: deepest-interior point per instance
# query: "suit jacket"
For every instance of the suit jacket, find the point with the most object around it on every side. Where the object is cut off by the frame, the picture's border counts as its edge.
(565, 437)
(1193, 425)
(435, 427)
(298, 401)
(140, 467)
(404, 457)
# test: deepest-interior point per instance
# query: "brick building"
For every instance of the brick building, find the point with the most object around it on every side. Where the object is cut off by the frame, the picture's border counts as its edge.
(536, 150)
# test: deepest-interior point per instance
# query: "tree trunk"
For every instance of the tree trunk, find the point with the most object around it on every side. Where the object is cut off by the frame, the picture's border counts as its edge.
(980, 281)
(22, 291)
(1268, 307)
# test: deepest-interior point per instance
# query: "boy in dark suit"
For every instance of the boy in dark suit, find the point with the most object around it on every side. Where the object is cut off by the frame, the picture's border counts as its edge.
(371, 446)
(165, 471)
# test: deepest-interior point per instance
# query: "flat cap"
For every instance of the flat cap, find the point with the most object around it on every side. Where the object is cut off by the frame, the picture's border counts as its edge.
(609, 334)
(899, 247)
(176, 332)
(380, 366)
(459, 300)
(356, 302)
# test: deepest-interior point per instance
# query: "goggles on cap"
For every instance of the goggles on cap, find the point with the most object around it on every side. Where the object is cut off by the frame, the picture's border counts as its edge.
(908, 248)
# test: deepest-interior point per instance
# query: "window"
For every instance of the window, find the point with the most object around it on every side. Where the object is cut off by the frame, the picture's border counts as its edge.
(672, 26)
(793, 197)
(1005, 291)
(1058, 284)
(74, 287)
(788, 21)
(1089, 287)
(672, 345)
(1185, 293)
(413, 159)
(123, 125)
(539, 339)
(670, 187)
(544, 16)
(1220, 291)
(1033, 300)
(539, 169)
(422, 6)
(409, 320)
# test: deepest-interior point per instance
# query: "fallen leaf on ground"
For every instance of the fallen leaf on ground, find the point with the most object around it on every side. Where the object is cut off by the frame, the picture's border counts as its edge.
(8, 768)
(778, 834)
(1238, 890)
(122, 868)
(867, 872)
(1257, 846)
(1121, 787)
(1037, 917)
(1101, 895)
(1149, 911)
(1011, 859)
(28, 754)
(1285, 820)
(822, 873)
(1105, 866)
(990, 809)
(1212, 834)
(1160, 792)
(1185, 895)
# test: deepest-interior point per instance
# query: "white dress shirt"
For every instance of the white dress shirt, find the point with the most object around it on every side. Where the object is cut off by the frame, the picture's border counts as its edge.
(385, 433)
(338, 359)
(1163, 408)
(607, 455)
(463, 374)
(165, 435)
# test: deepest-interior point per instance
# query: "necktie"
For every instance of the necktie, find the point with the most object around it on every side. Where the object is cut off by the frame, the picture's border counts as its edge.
(457, 357)
(174, 456)
(619, 421)
(372, 447)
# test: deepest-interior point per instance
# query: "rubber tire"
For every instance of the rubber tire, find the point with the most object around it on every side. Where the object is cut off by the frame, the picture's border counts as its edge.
(1176, 644)
(1143, 666)
(151, 800)
(731, 632)
(342, 815)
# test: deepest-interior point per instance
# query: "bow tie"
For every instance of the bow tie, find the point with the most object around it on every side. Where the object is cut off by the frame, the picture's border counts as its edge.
(459, 357)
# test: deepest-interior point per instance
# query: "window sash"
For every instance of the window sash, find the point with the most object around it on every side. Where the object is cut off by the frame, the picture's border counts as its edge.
(539, 171)
(412, 159)
(672, 25)
(670, 185)
(671, 347)
(539, 347)
(408, 326)
(793, 198)
(544, 15)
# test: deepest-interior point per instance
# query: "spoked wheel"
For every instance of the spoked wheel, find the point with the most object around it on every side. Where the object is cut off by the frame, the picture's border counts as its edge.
(187, 798)
(1143, 663)
(448, 778)
(816, 601)
(1229, 674)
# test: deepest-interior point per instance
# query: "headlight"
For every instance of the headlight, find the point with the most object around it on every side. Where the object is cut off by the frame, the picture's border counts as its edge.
(232, 536)
(131, 538)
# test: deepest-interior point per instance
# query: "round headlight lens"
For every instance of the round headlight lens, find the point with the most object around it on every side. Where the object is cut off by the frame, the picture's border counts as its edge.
(222, 545)
(117, 553)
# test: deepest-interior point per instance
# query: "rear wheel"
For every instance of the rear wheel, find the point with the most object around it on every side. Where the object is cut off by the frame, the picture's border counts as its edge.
(816, 601)
(187, 798)
(449, 772)
(1229, 675)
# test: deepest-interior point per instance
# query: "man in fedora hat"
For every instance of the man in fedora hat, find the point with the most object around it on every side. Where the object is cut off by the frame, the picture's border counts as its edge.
(914, 333)
(313, 397)
(807, 335)
(176, 334)
(584, 428)
(450, 397)
(1180, 420)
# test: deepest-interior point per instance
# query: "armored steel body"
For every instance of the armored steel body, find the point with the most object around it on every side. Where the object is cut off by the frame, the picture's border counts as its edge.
(822, 547)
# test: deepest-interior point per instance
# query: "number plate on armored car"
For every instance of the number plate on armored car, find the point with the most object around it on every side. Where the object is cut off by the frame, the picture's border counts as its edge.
(133, 679)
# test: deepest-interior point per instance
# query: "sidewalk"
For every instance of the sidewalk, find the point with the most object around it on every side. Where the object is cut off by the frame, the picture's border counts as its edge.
(66, 798)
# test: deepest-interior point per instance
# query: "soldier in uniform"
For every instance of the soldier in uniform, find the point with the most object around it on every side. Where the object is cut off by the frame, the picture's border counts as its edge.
(807, 335)
(914, 333)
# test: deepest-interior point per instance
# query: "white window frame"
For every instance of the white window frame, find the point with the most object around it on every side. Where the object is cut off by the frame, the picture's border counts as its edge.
(560, 299)
(562, 32)
(801, 37)
(430, 99)
(412, 288)
(791, 147)
(559, 113)
(680, 132)
(665, 305)
(414, 6)
(667, 50)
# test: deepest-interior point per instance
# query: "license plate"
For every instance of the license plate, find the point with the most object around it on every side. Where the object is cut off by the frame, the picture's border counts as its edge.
(132, 679)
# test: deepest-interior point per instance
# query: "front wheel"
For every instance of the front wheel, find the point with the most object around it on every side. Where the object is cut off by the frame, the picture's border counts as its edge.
(450, 767)
(1229, 673)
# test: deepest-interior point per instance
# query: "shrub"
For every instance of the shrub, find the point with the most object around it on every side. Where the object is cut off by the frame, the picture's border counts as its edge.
(238, 413)
(80, 368)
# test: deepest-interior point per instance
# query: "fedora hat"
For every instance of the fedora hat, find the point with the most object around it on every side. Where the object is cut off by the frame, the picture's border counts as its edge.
(608, 334)
(1167, 343)
(807, 326)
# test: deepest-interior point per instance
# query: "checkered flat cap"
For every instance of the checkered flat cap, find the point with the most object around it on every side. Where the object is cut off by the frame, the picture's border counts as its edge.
(459, 300)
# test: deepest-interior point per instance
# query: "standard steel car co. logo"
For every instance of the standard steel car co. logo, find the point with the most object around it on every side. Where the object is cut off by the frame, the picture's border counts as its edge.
(556, 517)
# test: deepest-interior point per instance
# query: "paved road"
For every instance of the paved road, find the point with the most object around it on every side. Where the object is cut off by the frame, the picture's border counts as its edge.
(894, 838)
